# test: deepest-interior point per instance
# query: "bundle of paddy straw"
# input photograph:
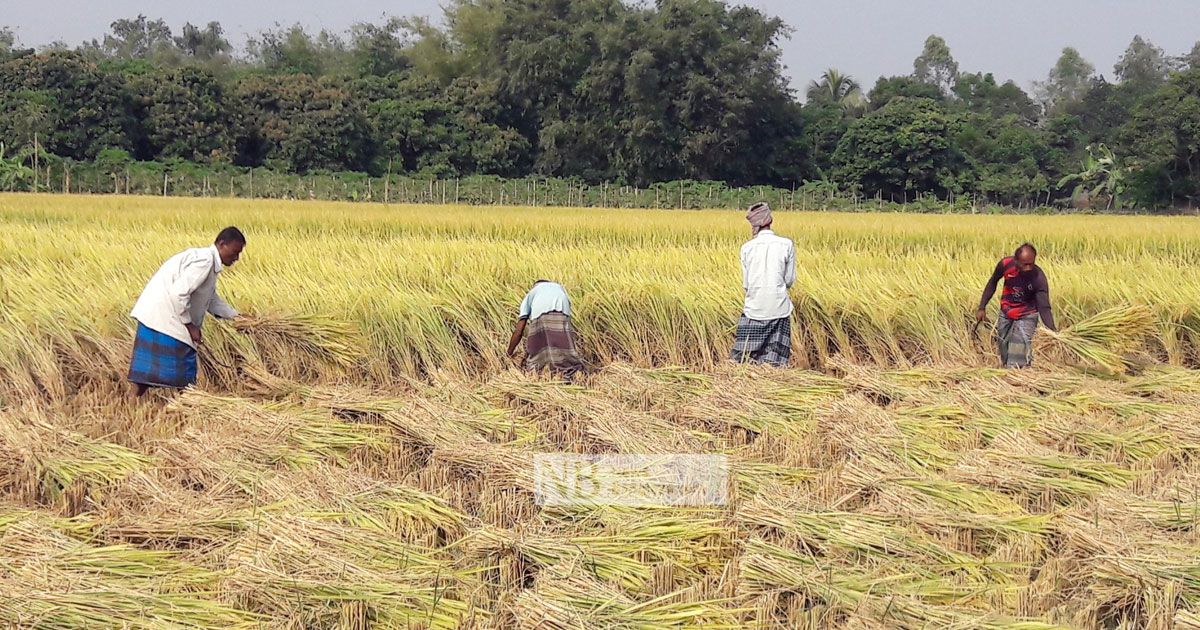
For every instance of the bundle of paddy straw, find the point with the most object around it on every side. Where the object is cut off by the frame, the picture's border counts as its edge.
(315, 335)
(1104, 338)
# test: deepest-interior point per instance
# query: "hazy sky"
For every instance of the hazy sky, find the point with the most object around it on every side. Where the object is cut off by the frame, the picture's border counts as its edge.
(1017, 39)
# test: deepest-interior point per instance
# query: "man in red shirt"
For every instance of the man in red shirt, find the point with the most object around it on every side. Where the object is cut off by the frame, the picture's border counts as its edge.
(1025, 298)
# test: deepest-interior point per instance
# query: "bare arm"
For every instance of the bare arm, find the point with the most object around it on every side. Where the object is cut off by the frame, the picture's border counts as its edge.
(518, 332)
(1042, 294)
(989, 290)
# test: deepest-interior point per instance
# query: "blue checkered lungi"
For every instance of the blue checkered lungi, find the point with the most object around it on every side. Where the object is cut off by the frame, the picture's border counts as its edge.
(161, 360)
(760, 341)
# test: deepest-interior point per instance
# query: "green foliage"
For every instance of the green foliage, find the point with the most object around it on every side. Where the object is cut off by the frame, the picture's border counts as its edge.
(1102, 177)
(13, 172)
(907, 147)
(1144, 66)
(935, 65)
(420, 126)
(591, 91)
(980, 94)
(89, 106)
(888, 88)
(1069, 80)
(138, 38)
(298, 123)
(837, 88)
(293, 50)
(1010, 161)
(204, 45)
(185, 115)
(1163, 143)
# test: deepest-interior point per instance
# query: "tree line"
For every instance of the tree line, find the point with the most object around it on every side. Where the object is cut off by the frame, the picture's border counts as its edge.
(599, 91)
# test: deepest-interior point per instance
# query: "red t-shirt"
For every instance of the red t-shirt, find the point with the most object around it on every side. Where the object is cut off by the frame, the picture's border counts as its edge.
(1025, 292)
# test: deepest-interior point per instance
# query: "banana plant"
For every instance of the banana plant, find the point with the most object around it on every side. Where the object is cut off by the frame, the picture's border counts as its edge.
(1102, 175)
(13, 171)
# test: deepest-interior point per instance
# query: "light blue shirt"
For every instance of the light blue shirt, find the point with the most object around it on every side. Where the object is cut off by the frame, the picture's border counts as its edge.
(543, 298)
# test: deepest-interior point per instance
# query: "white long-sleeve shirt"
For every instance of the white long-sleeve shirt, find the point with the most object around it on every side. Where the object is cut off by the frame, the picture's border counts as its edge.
(768, 271)
(181, 292)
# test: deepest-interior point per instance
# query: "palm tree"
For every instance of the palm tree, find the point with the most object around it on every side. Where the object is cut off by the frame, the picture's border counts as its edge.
(835, 87)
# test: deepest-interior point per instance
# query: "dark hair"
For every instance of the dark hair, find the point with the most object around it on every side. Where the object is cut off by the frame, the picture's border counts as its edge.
(537, 282)
(1024, 246)
(231, 235)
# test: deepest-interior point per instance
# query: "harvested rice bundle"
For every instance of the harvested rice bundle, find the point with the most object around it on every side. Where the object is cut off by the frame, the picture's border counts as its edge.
(1017, 464)
(754, 477)
(152, 510)
(610, 559)
(52, 576)
(1103, 338)
(898, 596)
(400, 508)
(623, 556)
(322, 337)
(864, 534)
(45, 462)
(1181, 513)
(565, 599)
(1165, 381)
(938, 505)
(601, 423)
(1128, 560)
(267, 432)
(871, 382)
(290, 565)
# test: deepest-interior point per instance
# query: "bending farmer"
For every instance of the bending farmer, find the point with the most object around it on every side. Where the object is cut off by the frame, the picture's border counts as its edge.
(552, 342)
(1026, 297)
(764, 331)
(172, 308)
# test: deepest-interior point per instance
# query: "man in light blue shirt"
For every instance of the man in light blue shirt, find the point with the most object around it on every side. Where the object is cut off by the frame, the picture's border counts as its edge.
(764, 331)
(552, 342)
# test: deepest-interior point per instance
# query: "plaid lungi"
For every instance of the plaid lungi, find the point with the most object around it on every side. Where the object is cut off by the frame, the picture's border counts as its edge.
(760, 341)
(551, 343)
(161, 360)
(1015, 340)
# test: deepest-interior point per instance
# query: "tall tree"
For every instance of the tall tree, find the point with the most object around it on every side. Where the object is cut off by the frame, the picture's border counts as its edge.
(981, 94)
(207, 44)
(1143, 67)
(185, 115)
(888, 88)
(1162, 140)
(837, 88)
(89, 105)
(904, 148)
(1069, 80)
(294, 50)
(8, 41)
(935, 65)
(294, 122)
(138, 38)
(1191, 61)
(378, 50)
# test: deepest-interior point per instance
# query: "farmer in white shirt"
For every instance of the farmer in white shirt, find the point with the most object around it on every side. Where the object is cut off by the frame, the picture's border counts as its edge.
(764, 331)
(552, 342)
(171, 310)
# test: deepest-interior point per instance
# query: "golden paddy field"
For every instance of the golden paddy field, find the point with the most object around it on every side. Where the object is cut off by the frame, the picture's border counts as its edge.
(363, 456)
